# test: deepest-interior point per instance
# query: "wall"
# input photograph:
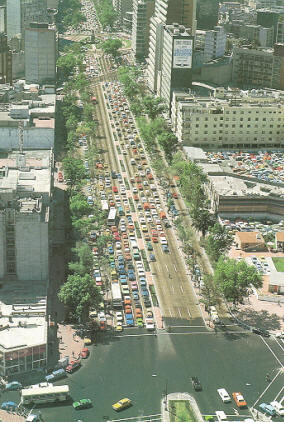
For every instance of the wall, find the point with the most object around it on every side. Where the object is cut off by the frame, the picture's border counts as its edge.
(2, 245)
(220, 74)
(31, 247)
(34, 138)
(18, 64)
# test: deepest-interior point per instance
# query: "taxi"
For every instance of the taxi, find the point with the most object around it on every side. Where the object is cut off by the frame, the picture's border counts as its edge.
(121, 404)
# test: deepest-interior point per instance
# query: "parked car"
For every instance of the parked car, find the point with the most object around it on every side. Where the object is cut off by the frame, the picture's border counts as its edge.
(14, 385)
(239, 399)
(82, 404)
(278, 407)
(224, 395)
(73, 366)
(56, 375)
(85, 353)
(268, 409)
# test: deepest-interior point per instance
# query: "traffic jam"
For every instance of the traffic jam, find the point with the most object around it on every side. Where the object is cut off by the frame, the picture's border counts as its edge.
(136, 221)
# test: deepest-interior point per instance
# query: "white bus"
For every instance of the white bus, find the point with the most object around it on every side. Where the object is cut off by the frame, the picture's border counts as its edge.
(44, 394)
(111, 220)
(104, 205)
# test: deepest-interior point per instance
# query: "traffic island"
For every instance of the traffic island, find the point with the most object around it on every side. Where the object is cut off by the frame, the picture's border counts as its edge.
(180, 406)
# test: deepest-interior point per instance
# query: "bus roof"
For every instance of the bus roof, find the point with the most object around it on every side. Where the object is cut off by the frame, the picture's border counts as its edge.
(45, 390)
(112, 214)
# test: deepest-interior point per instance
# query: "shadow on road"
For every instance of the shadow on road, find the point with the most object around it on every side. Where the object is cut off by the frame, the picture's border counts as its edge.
(261, 319)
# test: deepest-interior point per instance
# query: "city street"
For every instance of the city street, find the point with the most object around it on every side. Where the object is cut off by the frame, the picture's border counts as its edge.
(142, 367)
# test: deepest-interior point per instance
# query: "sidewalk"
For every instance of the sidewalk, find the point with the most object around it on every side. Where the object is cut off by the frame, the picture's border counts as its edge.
(165, 411)
(69, 343)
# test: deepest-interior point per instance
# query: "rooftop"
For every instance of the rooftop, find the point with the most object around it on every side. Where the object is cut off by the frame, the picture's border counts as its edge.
(250, 237)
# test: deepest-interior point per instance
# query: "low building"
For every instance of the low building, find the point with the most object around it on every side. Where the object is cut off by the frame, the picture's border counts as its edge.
(279, 240)
(276, 282)
(250, 241)
(231, 119)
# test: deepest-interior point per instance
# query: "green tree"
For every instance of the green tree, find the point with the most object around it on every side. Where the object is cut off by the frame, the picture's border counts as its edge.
(111, 46)
(154, 106)
(202, 219)
(74, 170)
(79, 205)
(78, 294)
(235, 278)
(218, 241)
(85, 255)
(169, 143)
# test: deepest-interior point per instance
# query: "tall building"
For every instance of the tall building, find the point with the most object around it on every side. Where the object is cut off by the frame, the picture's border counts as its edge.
(167, 12)
(122, 7)
(215, 43)
(176, 62)
(259, 68)
(268, 19)
(5, 60)
(20, 13)
(142, 12)
(3, 19)
(207, 13)
(40, 54)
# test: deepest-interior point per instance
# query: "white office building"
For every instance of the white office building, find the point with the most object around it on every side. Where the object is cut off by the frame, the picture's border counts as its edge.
(214, 43)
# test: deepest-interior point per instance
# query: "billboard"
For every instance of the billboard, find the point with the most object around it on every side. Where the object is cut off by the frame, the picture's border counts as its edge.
(182, 54)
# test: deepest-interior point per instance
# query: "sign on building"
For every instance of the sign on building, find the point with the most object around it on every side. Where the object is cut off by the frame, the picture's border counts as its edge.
(182, 55)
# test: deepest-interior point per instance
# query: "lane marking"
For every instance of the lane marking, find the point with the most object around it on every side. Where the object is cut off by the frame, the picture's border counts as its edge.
(269, 385)
(179, 312)
(188, 311)
(136, 417)
(280, 392)
(175, 268)
(278, 360)
(181, 288)
(172, 287)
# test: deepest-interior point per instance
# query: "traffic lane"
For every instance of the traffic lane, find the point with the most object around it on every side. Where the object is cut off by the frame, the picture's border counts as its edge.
(141, 368)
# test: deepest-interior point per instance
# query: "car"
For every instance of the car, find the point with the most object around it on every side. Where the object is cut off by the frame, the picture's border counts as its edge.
(9, 405)
(121, 404)
(82, 404)
(14, 385)
(114, 189)
(56, 375)
(119, 327)
(85, 353)
(224, 395)
(268, 409)
(196, 384)
(278, 407)
(73, 366)
(239, 399)
(140, 322)
(261, 332)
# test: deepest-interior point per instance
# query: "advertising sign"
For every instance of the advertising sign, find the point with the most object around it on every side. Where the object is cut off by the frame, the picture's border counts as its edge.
(182, 56)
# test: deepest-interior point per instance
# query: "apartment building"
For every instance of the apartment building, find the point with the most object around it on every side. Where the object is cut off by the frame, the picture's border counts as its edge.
(182, 12)
(122, 7)
(142, 12)
(258, 68)
(214, 43)
(261, 36)
(230, 119)
(176, 62)
(40, 53)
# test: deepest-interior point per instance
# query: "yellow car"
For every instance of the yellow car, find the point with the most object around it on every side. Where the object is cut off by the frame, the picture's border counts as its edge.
(119, 327)
(121, 404)
(87, 341)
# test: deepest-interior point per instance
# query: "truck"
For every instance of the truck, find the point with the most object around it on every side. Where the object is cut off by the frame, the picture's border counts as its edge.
(116, 296)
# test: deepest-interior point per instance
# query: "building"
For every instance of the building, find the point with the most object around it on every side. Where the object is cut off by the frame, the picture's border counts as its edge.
(261, 36)
(279, 241)
(250, 241)
(40, 54)
(5, 60)
(2, 19)
(207, 14)
(214, 43)
(122, 7)
(258, 68)
(142, 12)
(176, 62)
(20, 13)
(229, 119)
(268, 19)
(182, 12)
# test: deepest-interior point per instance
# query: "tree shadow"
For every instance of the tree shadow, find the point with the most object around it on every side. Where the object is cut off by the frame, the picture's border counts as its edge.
(260, 319)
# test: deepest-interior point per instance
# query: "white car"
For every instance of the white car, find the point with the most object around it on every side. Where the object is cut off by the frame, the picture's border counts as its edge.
(279, 409)
(119, 316)
(224, 395)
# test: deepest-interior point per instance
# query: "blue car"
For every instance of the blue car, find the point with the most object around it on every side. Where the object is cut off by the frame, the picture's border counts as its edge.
(268, 409)
(152, 257)
(135, 296)
(8, 405)
(110, 250)
(56, 375)
(144, 292)
(165, 248)
(14, 385)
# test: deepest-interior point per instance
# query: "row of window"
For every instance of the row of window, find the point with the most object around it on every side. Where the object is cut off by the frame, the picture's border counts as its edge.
(233, 125)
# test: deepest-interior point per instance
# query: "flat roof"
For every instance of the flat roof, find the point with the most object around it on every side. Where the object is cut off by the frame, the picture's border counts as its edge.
(47, 122)
(250, 237)
(276, 278)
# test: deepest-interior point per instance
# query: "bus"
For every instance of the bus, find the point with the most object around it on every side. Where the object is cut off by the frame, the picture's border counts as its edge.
(111, 220)
(40, 395)
(116, 296)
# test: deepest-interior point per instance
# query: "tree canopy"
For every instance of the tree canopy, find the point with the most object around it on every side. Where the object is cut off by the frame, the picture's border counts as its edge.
(111, 46)
(74, 170)
(234, 279)
(218, 241)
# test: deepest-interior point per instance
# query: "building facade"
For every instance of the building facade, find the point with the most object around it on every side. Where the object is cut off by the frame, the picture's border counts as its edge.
(229, 120)
(167, 12)
(258, 68)
(176, 62)
(207, 14)
(142, 12)
(215, 43)
(40, 54)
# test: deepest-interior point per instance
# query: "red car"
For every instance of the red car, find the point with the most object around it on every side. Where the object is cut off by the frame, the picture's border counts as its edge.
(175, 195)
(85, 353)
(140, 187)
(103, 326)
(73, 365)
(155, 239)
(114, 189)
(124, 235)
(136, 197)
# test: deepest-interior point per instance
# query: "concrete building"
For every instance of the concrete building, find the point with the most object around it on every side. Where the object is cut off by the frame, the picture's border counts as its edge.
(268, 19)
(25, 191)
(207, 14)
(214, 43)
(40, 54)
(20, 13)
(263, 68)
(3, 19)
(38, 118)
(176, 62)
(182, 12)
(5, 60)
(229, 119)
(261, 36)
(142, 12)
(122, 7)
